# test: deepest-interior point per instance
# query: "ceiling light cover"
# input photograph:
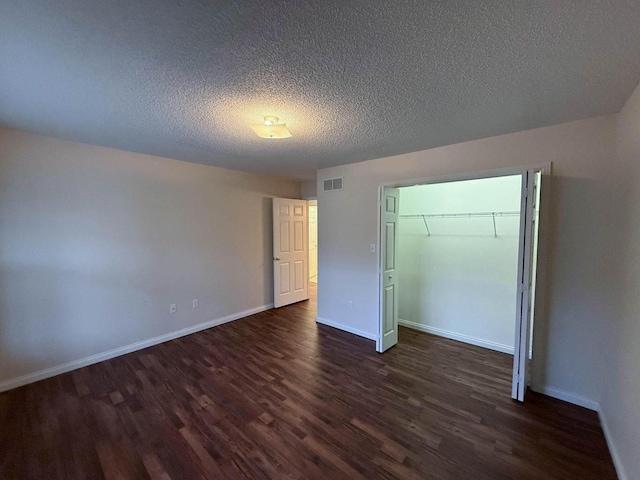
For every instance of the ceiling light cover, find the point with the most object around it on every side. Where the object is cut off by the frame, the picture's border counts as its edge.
(271, 129)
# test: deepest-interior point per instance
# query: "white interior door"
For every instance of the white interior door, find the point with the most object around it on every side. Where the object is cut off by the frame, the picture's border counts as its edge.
(389, 284)
(526, 281)
(290, 251)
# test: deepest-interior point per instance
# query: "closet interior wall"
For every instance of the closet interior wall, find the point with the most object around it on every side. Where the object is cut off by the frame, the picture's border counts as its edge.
(457, 273)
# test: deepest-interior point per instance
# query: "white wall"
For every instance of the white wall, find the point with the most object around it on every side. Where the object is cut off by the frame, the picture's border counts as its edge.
(568, 351)
(96, 243)
(461, 281)
(620, 404)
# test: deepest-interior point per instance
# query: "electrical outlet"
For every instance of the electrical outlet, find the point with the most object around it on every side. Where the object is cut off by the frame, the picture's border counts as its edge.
(372, 248)
(350, 304)
(173, 308)
(195, 303)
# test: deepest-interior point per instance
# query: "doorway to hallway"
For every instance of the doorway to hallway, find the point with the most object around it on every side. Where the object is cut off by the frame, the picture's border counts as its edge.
(313, 242)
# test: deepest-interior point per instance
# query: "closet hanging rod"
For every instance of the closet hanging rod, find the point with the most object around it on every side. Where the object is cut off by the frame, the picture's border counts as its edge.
(462, 215)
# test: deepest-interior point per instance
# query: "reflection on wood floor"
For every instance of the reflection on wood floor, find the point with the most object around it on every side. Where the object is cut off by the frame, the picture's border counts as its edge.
(277, 396)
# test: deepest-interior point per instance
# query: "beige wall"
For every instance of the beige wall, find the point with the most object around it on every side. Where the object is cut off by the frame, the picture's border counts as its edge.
(308, 188)
(620, 404)
(96, 243)
(568, 345)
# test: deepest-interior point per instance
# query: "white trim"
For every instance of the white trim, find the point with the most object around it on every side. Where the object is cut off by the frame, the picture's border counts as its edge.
(339, 326)
(116, 352)
(568, 397)
(545, 168)
(617, 462)
(591, 405)
(500, 347)
(379, 268)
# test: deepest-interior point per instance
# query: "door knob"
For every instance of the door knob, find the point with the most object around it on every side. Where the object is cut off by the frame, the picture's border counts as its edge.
(276, 258)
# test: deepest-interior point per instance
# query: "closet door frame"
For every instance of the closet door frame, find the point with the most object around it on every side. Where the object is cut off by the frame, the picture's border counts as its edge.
(539, 326)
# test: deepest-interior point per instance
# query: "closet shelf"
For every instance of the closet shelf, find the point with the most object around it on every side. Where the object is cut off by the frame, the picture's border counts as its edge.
(462, 215)
(492, 215)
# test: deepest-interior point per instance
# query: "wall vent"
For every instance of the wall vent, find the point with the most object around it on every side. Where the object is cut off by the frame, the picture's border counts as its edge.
(333, 184)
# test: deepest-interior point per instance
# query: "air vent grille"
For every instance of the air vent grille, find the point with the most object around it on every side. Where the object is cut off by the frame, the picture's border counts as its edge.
(332, 184)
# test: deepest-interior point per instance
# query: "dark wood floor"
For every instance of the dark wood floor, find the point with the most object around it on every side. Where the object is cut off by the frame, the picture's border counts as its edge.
(277, 396)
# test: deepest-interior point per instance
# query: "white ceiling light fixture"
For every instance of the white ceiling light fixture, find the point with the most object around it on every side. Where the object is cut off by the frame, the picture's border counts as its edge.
(271, 128)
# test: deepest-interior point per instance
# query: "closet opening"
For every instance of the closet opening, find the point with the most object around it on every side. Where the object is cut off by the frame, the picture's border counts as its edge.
(458, 259)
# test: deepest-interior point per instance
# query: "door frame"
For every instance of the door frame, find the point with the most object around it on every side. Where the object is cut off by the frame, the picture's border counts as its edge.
(542, 259)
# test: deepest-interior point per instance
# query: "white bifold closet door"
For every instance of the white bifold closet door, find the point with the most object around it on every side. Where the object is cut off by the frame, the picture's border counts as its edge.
(290, 251)
(531, 183)
(390, 206)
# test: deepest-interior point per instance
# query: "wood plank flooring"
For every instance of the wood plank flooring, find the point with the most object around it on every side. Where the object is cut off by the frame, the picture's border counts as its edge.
(276, 396)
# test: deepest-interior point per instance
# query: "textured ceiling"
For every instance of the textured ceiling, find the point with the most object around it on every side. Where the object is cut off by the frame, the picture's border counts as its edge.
(353, 80)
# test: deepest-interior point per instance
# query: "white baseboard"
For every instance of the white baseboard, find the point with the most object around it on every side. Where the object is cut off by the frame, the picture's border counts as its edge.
(617, 462)
(116, 352)
(552, 392)
(568, 397)
(591, 405)
(346, 328)
(458, 336)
